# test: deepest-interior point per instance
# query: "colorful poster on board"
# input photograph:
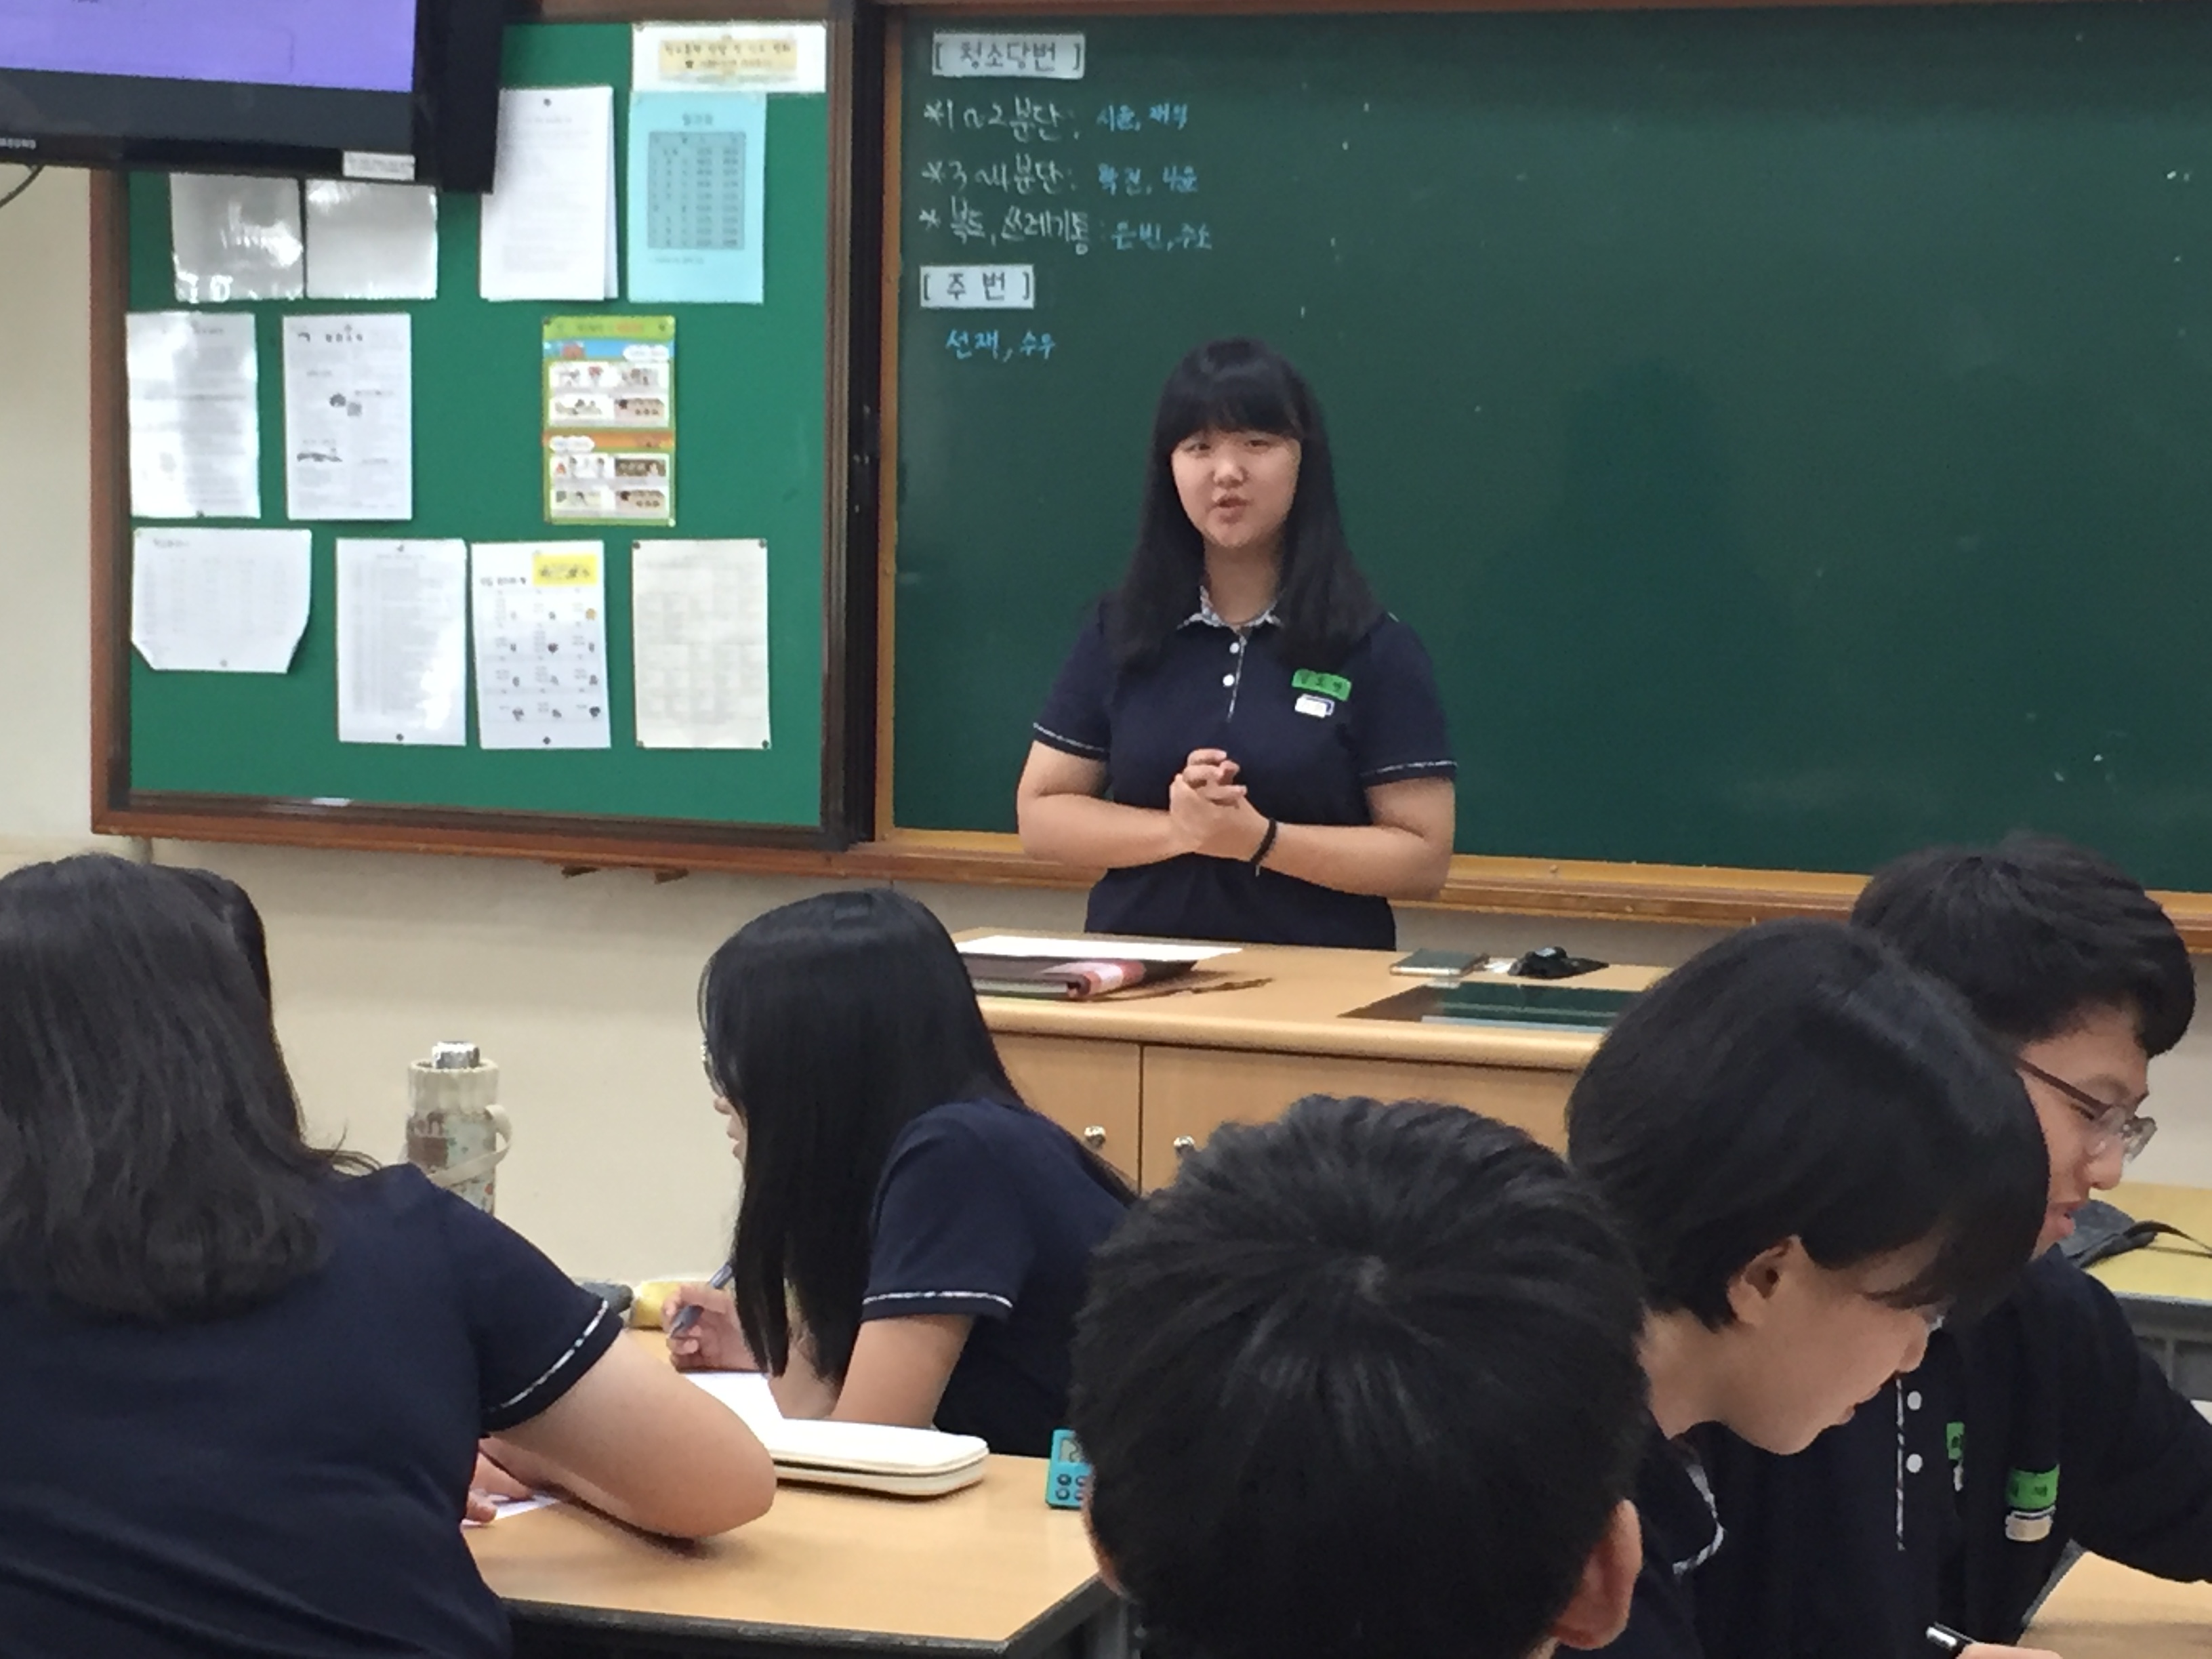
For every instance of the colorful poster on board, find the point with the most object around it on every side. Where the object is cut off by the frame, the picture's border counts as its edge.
(609, 420)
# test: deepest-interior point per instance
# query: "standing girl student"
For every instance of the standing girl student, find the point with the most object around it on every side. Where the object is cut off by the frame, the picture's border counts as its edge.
(913, 1240)
(1243, 738)
(244, 1381)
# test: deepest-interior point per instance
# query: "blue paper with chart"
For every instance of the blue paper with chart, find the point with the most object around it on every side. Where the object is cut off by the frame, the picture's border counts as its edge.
(697, 167)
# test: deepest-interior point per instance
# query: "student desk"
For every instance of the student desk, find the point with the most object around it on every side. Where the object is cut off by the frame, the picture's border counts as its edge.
(2167, 1288)
(987, 1572)
(2104, 1611)
(1145, 1076)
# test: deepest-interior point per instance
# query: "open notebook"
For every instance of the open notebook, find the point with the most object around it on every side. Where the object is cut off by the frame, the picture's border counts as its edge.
(872, 1457)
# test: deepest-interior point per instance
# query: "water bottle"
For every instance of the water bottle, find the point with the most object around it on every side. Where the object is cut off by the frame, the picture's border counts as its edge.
(456, 1132)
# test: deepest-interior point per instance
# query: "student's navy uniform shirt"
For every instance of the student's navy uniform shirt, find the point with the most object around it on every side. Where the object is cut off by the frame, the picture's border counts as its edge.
(1681, 1535)
(1306, 754)
(1951, 1497)
(988, 1210)
(288, 1481)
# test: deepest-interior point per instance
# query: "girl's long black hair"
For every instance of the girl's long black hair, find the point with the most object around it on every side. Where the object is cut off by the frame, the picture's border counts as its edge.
(1322, 603)
(152, 1165)
(831, 1023)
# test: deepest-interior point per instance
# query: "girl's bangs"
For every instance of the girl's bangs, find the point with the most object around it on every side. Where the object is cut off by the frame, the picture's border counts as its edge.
(1250, 396)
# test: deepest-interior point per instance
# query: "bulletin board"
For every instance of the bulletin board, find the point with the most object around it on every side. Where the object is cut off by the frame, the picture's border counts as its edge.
(762, 453)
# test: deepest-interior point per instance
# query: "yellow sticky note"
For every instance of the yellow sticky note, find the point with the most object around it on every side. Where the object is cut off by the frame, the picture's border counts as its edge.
(564, 569)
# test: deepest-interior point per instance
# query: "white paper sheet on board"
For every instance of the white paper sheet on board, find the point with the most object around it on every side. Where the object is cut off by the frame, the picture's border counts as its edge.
(403, 642)
(349, 416)
(371, 242)
(549, 223)
(539, 613)
(195, 418)
(219, 601)
(234, 237)
(699, 624)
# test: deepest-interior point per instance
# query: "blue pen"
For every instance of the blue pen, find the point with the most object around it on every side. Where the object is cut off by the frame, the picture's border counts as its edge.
(687, 1317)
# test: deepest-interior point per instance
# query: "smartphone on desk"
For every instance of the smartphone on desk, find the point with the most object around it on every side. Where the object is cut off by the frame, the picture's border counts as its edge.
(1438, 964)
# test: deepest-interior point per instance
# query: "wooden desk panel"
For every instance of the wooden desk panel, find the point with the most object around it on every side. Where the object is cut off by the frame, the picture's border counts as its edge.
(1091, 1089)
(990, 1569)
(2104, 1611)
(2168, 1267)
(1189, 1092)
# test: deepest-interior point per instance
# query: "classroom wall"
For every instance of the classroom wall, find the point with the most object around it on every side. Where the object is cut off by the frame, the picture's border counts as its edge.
(580, 987)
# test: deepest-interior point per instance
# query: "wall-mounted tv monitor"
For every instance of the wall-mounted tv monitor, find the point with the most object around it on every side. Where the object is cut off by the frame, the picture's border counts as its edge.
(365, 88)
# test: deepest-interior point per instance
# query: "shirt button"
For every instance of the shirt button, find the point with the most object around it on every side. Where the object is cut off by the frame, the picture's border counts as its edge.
(1236, 648)
(1912, 1401)
(1912, 1464)
(1229, 679)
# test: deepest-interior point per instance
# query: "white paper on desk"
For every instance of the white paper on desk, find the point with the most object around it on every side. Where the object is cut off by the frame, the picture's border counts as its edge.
(222, 601)
(503, 1507)
(745, 1393)
(233, 238)
(195, 418)
(350, 416)
(403, 642)
(549, 224)
(1090, 950)
(699, 627)
(539, 610)
(371, 242)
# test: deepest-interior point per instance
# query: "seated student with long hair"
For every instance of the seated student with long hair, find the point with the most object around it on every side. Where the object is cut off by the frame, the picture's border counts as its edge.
(243, 1380)
(1956, 1496)
(912, 1240)
(1816, 1155)
(1363, 1384)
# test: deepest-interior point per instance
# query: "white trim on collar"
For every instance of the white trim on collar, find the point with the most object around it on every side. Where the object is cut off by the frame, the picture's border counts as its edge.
(1211, 618)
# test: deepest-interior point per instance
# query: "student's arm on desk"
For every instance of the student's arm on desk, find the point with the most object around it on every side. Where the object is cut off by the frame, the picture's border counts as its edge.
(896, 1375)
(636, 1440)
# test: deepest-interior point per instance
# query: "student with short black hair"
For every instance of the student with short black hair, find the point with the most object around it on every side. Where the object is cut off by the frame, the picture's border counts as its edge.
(1815, 1156)
(1363, 1384)
(243, 1378)
(1953, 1498)
(911, 1243)
(1243, 738)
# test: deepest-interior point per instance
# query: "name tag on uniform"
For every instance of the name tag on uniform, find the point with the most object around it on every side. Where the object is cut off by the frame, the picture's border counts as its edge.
(1320, 707)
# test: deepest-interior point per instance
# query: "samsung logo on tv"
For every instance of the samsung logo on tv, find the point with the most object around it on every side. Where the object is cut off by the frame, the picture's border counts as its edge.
(18, 144)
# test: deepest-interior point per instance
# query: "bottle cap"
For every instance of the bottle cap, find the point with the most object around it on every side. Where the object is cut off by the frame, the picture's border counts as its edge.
(454, 1057)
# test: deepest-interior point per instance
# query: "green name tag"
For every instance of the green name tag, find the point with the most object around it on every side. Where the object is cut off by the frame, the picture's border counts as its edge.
(1954, 1441)
(2031, 1490)
(1329, 685)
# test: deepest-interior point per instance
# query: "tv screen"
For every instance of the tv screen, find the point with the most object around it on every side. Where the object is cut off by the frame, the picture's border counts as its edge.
(313, 87)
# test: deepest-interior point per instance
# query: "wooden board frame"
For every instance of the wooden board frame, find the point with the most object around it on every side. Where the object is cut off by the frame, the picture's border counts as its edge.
(858, 836)
(848, 526)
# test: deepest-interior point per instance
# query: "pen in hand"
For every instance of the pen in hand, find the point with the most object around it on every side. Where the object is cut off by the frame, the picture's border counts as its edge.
(1941, 1638)
(686, 1317)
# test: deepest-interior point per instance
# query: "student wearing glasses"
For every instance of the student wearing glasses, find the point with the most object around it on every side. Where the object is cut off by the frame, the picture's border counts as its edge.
(1952, 1499)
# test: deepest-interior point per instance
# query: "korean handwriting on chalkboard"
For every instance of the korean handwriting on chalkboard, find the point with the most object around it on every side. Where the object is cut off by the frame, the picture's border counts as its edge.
(1126, 118)
(1134, 181)
(1024, 175)
(998, 345)
(1158, 238)
(1026, 120)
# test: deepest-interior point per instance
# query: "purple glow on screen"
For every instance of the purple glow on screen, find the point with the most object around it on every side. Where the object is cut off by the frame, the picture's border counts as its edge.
(361, 44)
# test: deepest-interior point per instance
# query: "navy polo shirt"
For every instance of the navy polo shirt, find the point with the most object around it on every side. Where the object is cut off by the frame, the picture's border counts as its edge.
(288, 1481)
(988, 1210)
(1306, 754)
(1681, 1533)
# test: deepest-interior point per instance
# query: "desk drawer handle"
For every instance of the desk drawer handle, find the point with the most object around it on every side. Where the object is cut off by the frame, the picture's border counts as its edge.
(1184, 1145)
(1094, 1136)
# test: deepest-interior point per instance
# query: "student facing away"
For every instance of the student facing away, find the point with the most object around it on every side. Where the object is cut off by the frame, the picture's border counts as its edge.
(1952, 1497)
(1363, 1384)
(1816, 1155)
(244, 1378)
(912, 1241)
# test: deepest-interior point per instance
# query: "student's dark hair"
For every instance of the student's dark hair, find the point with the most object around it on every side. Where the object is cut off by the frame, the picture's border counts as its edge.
(235, 911)
(1362, 1384)
(1322, 603)
(831, 1023)
(151, 1160)
(2035, 932)
(1800, 1079)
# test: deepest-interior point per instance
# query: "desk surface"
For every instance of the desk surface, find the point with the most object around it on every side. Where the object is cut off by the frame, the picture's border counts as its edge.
(2102, 1611)
(990, 1570)
(1300, 1010)
(2169, 1267)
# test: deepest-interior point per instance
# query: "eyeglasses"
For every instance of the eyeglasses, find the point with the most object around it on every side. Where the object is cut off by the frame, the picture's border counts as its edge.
(2108, 1123)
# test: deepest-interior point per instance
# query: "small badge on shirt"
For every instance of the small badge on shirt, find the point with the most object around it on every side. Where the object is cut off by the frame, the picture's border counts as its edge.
(2031, 1502)
(1329, 685)
(1320, 707)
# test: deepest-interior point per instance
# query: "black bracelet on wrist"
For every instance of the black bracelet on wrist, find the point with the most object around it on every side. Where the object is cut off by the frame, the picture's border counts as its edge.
(1266, 845)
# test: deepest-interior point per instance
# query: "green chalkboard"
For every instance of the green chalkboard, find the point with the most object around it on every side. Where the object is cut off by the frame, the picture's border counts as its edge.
(749, 424)
(1791, 431)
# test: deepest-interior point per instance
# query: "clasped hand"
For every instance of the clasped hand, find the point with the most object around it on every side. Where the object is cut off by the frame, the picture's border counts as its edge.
(1208, 810)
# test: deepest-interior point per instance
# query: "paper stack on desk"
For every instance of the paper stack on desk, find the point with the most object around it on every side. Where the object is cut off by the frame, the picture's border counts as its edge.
(869, 1457)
